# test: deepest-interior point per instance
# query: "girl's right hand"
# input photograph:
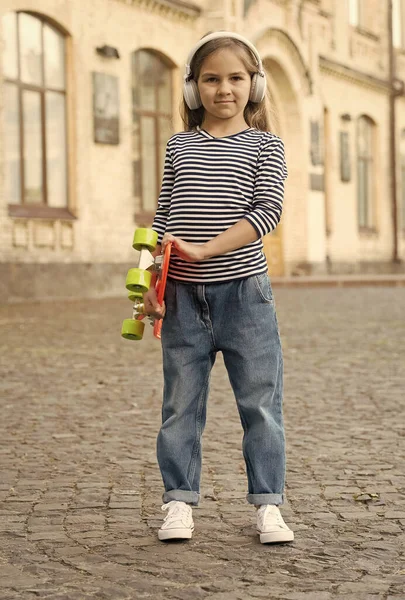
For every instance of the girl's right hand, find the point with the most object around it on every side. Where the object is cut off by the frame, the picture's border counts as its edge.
(152, 306)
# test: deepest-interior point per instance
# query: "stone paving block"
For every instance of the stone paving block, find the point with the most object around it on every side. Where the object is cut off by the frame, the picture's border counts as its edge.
(16, 578)
(42, 507)
(362, 587)
(356, 515)
(57, 536)
(124, 505)
(363, 596)
(306, 596)
(393, 514)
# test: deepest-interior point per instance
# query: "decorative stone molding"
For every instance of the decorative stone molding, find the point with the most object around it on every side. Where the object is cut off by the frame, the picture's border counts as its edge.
(366, 50)
(44, 234)
(20, 234)
(282, 40)
(66, 238)
(358, 77)
(166, 8)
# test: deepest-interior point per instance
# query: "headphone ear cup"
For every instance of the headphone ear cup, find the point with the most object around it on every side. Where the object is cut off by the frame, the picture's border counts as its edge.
(257, 88)
(191, 94)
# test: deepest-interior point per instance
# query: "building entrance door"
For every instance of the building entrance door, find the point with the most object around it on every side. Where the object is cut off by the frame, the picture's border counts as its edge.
(273, 242)
(273, 250)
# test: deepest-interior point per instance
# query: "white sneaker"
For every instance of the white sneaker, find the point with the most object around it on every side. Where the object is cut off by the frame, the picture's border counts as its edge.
(271, 526)
(178, 523)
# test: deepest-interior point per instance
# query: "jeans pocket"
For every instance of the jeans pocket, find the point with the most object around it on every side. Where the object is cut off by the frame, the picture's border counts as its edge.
(263, 286)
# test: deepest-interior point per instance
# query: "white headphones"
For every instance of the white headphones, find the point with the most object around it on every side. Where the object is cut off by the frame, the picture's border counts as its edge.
(190, 88)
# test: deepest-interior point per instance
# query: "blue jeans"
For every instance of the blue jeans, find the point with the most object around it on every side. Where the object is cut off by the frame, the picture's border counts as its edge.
(237, 318)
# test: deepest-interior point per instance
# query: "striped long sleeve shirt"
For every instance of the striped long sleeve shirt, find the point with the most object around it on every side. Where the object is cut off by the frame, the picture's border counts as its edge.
(209, 184)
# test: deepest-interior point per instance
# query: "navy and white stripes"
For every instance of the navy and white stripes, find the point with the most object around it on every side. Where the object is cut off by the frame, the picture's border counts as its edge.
(211, 183)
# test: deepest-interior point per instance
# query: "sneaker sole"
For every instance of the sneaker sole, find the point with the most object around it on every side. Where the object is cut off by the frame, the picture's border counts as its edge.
(276, 537)
(175, 534)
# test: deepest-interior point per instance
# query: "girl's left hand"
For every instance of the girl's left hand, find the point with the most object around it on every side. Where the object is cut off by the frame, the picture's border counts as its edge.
(185, 250)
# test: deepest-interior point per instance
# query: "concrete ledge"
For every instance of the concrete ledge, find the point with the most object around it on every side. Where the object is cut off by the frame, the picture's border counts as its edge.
(339, 280)
(56, 281)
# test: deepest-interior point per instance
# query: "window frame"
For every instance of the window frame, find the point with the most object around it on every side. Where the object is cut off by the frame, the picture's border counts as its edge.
(144, 215)
(367, 159)
(41, 210)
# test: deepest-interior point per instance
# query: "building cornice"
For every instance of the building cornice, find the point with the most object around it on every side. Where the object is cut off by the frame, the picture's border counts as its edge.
(176, 7)
(343, 71)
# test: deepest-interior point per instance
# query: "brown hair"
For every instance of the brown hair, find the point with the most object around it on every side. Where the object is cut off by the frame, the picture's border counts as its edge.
(256, 114)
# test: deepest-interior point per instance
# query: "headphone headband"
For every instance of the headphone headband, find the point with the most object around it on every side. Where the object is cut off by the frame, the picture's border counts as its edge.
(217, 35)
(258, 85)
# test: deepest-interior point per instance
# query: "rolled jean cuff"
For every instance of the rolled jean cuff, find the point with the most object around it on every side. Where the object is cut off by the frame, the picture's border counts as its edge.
(181, 496)
(259, 499)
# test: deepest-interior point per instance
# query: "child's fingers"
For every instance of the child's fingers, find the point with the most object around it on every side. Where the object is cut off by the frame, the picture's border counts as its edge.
(153, 308)
(159, 311)
(168, 237)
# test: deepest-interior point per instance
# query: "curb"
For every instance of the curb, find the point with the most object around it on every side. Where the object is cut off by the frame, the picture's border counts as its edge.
(340, 281)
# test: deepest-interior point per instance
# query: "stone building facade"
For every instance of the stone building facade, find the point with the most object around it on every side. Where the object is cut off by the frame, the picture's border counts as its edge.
(89, 94)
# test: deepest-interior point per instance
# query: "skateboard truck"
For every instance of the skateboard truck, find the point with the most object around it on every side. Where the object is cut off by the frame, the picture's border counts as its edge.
(139, 280)
(155, 265)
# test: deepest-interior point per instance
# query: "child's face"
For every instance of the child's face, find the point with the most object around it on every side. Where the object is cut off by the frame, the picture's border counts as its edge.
(224, 85)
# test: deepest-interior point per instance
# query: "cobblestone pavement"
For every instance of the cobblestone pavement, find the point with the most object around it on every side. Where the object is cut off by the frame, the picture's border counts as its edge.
(81, 492)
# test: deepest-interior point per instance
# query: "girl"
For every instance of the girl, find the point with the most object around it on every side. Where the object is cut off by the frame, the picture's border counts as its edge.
(222, 192)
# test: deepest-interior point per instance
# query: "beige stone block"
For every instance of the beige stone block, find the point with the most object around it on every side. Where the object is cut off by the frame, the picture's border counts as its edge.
(44, 234)
(20, 234)
(66, 236)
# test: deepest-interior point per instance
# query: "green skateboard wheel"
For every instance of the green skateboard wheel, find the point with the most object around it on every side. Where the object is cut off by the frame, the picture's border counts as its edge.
(145, 238)
(138, 280)
(132, 329)
(134, 296)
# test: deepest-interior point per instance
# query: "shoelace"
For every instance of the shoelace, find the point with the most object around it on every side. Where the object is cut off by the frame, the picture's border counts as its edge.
(176, 510)
(263, 514)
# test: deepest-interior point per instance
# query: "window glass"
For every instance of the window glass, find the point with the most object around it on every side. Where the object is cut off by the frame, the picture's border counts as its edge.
(363, 141)
(54, 46)
(165, 132)
(146, 80)
(33, 192)
(152, 127)
(30, 49)
(164, 88)
(365, 171)
(34, 114)
(12, 147)
(9, 34)
(56, 149)
(149, 167)
(362, 192)
(396, 23)
(136, 156)
(402, 150)
(403, 192)
(354, 12)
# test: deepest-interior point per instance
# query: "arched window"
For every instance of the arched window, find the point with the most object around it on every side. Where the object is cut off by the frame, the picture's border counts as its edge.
(35, 114)
(365, 172)
(152, 124)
